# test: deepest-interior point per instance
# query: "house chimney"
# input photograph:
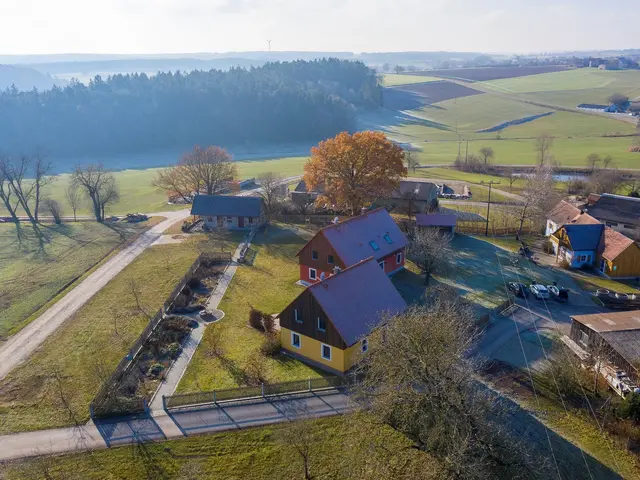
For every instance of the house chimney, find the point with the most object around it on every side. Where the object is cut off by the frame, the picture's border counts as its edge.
(336, 270)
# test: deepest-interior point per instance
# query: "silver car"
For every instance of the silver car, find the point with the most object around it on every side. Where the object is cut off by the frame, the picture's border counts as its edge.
(539, 291)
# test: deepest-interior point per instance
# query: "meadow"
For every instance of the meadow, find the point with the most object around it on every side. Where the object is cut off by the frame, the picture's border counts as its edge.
(392, 79)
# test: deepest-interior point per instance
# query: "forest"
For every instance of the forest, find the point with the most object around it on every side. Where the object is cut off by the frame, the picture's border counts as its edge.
(278, 102)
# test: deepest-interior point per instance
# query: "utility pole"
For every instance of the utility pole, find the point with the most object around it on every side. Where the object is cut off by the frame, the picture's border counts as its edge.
(466, 153)
(486, 231)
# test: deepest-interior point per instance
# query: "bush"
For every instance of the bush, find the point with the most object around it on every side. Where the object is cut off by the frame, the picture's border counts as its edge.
(269, 324)
(256, 369)
(155, 370)
(173, 350)
(178, 324)
(271, 345)
(256, 319)
(630, 408)
(577, 187)
(193, 283)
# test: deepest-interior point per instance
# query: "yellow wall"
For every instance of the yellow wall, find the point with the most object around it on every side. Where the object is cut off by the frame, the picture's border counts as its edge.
(628, 263)
(312, 349)
(352, 355)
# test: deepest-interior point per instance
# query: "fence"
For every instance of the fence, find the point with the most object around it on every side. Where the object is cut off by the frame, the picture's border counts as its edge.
(479, 228)
(308, 219)
(261, 391)
(107, 402)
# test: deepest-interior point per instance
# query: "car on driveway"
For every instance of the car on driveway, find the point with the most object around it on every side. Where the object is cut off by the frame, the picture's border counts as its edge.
(518, 289)
(539, 291)
(558, 293)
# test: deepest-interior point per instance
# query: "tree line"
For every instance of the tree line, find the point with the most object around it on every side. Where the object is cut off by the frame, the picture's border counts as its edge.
(277, 102)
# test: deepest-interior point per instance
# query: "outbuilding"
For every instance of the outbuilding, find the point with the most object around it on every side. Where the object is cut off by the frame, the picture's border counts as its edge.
(229, 211)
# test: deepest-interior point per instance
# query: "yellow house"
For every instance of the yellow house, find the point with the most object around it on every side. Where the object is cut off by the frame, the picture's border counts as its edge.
(621, 256)
(327, 325)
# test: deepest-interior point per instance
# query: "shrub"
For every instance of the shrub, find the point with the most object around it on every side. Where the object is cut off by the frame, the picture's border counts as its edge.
(565, 264)
(155, 370)
(186, 291)
(255, 319)
(269, 324)
(193, 283)
(271, 345)
(179, 324)
(173, 350)
(630, 408)
(256, 369)
(635, 149)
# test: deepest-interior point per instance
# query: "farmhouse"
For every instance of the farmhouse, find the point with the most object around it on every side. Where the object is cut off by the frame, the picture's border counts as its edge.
(619, 332)
(578, 245)
(618, 212)
(621, 256)
(327, 325)
(416, 195)
(233, 212)
(343, 244)
(301, 196)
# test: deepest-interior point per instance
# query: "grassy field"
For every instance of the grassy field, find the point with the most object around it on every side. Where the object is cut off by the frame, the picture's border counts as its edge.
(93, 340)
(32, 274)
(341, 448)
(392, 79)
(268, 285)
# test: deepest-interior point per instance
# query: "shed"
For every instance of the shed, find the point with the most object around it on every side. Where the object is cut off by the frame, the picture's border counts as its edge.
(229, 211)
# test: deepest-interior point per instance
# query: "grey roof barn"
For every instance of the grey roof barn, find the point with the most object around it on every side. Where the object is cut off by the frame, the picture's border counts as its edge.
(227, 205)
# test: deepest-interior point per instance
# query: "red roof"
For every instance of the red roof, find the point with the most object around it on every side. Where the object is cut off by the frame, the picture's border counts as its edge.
(563, 213)
(435, 220)
(614, 243)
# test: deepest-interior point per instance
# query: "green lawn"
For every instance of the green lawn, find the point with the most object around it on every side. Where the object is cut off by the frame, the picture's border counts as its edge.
(591, 283)
(392, 79)
(341, 448)
(32, 274)
(268, 285)
(92, 341)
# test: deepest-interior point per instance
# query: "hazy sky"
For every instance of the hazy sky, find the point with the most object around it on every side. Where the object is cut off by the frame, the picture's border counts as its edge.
(173, 26)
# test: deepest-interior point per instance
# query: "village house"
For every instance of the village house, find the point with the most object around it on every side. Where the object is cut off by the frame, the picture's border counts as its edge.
(446, 223)
(328, 324)
(229, 211)
(371, 234)
(616, 211)
(621, 256)
(620, 332)
(578, 245)
(416, 195)
(564, 213)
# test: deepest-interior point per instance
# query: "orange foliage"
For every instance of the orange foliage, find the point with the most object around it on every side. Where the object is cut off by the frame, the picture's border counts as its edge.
(353, 170)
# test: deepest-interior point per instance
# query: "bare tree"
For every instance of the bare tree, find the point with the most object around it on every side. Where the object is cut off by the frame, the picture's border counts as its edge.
(606, 181)
(15, 172)
(9, 200)
(409, 201)
(41, 178)
(96, 182)
(109, 195)
(398, 69)
(487, 154)
(607, 161)
(428, 249)
(73, 198)
(202, 170)
(299, 435)
(271, 188)
(512, 176)
(543, 146)
(593, 159)
(411, 161)
(53, 207)
(420, 381)
(538, 196)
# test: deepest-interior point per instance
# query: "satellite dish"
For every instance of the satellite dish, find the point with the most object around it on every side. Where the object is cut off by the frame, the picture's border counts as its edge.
(336, 220)
(322, 276)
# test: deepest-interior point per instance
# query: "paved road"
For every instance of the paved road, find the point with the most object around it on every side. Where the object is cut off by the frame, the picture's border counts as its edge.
(180, 423)
(20, 346)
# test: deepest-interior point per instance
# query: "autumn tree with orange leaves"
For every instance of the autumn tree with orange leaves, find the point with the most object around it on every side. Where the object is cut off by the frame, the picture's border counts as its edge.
(352, 171)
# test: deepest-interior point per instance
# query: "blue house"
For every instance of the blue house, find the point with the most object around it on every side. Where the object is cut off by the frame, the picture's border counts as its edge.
(577, 244)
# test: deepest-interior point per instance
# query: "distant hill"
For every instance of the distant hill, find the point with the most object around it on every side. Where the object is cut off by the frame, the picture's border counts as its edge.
(25, 78)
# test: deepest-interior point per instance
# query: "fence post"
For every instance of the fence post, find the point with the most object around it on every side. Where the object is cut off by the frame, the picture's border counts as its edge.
(262, 388)
(164, 403)
(309, 384)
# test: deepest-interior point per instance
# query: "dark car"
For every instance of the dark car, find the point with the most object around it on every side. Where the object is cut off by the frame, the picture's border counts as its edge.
(518, 289)
(558, 293)
(189, 309)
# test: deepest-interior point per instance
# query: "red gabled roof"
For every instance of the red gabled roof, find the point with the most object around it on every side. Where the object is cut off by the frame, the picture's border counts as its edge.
(614, 243)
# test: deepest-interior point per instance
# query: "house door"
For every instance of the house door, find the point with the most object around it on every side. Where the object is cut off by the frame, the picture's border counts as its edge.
(602, 265)
(241, 222)
(220, 220)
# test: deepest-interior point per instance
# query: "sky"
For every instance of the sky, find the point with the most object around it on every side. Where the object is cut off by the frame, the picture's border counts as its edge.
(179, 26)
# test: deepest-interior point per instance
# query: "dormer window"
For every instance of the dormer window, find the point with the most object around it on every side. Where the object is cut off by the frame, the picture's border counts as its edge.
(388, 239)
(374, 245)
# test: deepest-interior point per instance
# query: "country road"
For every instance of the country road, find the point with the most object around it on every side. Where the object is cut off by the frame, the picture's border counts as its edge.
(20, 346)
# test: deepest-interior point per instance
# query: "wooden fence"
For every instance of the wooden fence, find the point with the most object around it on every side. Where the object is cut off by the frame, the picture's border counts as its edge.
(107, 401)
(321, 220)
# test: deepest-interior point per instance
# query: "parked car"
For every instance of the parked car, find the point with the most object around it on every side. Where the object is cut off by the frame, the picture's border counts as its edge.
(539, 291)
(558, 293)
(189, 309)
(206, 316)
(518, 289)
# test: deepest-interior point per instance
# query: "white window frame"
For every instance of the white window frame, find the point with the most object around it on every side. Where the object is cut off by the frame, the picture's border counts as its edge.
(315, 273)
(293, 335)
(296, 316)
(321, 329)
(322, 345)
(364, 345)
(399, 258)
(381, 265)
